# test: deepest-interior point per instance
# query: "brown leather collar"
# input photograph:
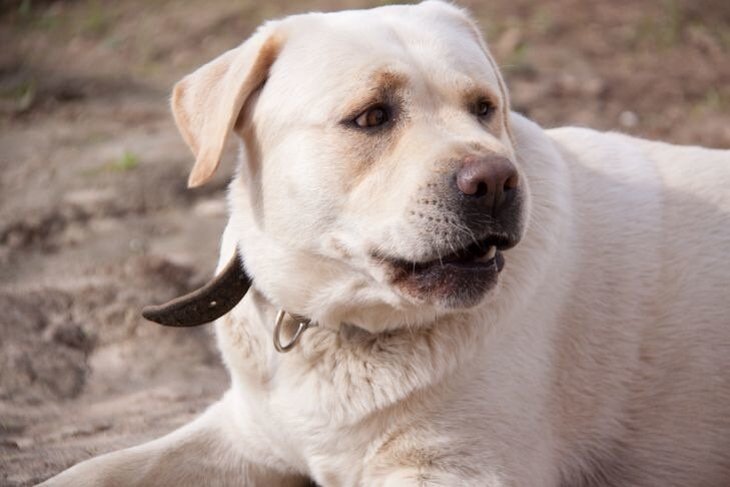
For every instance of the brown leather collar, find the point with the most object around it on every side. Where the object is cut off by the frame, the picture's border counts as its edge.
(206, 304)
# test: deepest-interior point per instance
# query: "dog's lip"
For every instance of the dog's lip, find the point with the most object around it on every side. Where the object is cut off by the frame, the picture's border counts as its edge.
(482, 254)
(456, 280)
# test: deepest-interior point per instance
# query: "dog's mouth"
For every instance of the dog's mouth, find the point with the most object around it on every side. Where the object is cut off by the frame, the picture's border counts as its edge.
(458, 279)
(484, 253)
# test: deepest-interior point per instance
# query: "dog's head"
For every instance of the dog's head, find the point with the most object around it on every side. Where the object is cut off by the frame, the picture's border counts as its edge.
(379, 184)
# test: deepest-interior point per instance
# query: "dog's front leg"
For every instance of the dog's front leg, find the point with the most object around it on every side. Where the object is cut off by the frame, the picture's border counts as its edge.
(202, 452)
(435, 477)
(411, 462)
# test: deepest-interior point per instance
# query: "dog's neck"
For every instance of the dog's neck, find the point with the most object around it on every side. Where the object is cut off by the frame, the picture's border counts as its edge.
(347, 361)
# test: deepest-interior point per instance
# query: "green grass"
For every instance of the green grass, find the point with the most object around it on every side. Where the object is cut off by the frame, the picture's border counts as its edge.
(518, 62)
(125, 163)
(714, 100)
(25, 8)
(541, 21)
(128, 161)
(97, 19)
(89, 18)
(22, 94)
(663, 29)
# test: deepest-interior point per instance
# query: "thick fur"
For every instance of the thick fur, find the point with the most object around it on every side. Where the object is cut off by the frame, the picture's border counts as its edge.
(600, 358)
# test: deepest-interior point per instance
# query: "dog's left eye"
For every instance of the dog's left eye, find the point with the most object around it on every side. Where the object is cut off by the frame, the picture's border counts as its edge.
(374, 116)
(483, 109)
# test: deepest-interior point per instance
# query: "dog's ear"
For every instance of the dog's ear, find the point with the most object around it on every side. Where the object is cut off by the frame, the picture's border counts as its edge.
(206, 103)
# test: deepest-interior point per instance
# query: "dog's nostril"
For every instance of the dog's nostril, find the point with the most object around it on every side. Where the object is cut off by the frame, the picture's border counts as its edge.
(511, 182)
(481, 190)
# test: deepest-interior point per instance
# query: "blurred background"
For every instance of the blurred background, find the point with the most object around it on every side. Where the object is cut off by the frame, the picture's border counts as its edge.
(95, 219)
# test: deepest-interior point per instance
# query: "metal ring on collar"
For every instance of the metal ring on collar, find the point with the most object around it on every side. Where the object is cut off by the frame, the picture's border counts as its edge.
(283, 348)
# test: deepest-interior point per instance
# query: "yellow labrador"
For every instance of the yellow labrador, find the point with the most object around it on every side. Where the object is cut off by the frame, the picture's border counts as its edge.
(495, 304)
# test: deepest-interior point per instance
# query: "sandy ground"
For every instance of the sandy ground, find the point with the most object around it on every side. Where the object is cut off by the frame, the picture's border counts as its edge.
(95, 220)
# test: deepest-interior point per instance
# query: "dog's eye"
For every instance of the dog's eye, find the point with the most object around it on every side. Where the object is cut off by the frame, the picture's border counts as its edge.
(483, 109)
(374, 116)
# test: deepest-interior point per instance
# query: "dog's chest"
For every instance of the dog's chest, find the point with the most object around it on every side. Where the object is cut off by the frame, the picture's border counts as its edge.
(284, 427)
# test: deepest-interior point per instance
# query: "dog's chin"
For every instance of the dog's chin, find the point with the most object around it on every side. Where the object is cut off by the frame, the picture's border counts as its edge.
(459, 280)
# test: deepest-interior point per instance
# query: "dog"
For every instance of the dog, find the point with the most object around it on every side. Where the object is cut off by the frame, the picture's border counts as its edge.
(463, 297)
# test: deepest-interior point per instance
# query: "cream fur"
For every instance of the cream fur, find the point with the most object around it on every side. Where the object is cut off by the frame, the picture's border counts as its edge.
(600, 359)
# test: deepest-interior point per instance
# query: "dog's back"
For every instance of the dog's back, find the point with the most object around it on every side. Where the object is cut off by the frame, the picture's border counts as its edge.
(646, 333)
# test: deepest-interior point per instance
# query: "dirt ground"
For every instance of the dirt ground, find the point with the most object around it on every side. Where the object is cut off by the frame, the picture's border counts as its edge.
(95, 219)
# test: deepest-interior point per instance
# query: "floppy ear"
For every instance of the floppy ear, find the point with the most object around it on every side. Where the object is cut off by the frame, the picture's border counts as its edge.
(207, 103)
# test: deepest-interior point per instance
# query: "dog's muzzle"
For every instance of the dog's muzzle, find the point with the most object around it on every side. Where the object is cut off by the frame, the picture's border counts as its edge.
(467, 219)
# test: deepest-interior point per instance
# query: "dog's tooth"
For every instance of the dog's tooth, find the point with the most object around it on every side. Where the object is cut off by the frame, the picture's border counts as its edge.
(491, 252)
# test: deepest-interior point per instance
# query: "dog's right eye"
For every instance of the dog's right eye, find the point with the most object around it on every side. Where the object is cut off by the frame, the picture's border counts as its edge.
(374, 116)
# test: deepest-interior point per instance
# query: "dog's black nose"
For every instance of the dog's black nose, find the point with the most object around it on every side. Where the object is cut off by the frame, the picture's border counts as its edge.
(489, 182)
